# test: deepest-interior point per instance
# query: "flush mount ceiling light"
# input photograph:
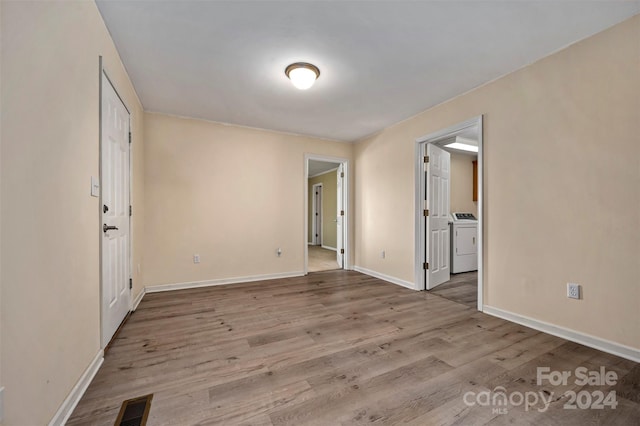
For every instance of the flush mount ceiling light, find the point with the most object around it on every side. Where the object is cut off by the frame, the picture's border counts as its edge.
(302, 74)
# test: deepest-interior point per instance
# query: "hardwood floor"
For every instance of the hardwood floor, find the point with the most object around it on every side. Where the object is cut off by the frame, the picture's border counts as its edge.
(322, 259)
(461, 288)
(337, 348)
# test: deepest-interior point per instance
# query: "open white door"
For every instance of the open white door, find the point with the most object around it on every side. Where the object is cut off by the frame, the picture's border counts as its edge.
(340, 218)
(116, 294)
(437, 218)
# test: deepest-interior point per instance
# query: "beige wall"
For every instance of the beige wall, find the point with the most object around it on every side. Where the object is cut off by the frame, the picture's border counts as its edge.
(329, 183)
(2, 319)
(462, 184)
(562, 172)
(50, 223)
(231, 194)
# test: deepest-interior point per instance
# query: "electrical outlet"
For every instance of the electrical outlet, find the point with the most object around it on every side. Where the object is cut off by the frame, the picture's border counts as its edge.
(279, 252)
(573, 291)
(383, 254)
(196, 258)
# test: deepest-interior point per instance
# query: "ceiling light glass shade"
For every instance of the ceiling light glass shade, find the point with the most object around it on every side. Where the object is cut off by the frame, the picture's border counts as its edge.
(462, 147)
(302, 74)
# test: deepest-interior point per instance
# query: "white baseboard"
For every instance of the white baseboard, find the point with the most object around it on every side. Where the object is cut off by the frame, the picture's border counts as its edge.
(1, 404)
(384, 277)
(614, 348)
(69, 404)
(138, 299)
(223, 281)
(329, 248)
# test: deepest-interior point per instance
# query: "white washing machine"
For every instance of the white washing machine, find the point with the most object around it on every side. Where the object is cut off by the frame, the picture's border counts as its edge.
(464, 242)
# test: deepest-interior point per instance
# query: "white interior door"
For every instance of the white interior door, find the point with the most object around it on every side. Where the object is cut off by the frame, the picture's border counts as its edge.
(116, 295)
(340, 218)
(437, 226)
(317, 215)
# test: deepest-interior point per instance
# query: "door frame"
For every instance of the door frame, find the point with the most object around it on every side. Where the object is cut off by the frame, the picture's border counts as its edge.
(420, 240)
(314, 207)
(104, 71)
(346, 224)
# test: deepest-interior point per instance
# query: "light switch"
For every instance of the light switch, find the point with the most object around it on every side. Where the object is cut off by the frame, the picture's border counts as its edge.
(95, 187)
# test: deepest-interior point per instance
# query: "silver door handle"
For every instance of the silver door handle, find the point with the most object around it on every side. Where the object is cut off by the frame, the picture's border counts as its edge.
(106, 228)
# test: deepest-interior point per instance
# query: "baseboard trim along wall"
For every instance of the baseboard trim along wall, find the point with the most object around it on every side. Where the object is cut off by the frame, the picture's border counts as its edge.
(393, 280)
(70, 403)
(223, 281)
(1, 404)
(572, 335)
(138, 299)
(329, 248)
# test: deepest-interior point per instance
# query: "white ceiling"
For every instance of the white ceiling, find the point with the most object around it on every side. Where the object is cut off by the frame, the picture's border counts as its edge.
(318, 167)
(380, 61)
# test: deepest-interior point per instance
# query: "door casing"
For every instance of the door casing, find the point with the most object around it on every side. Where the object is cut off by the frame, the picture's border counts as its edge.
(345, 194)
(316, 228)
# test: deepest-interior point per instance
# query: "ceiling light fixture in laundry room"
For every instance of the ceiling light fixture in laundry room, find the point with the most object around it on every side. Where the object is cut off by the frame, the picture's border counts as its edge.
(302, 74)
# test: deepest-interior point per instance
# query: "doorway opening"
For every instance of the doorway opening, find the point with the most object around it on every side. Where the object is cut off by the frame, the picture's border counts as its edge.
(326, 216)
(449, 213)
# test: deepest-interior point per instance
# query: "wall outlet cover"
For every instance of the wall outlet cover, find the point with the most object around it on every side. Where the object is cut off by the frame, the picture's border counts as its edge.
(95, 186)
(573, 291)
(196, 258)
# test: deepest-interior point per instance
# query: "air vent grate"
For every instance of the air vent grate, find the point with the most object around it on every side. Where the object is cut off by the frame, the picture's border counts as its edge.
(134, 412)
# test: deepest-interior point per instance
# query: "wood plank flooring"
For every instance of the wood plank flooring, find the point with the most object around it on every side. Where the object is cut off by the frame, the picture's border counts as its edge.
(461, 288)
(337, 348)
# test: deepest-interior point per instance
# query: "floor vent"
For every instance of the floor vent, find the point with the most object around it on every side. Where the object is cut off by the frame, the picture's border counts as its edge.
(134, 412)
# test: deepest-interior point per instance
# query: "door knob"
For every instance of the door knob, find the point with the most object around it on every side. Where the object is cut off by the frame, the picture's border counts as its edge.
(106, 228)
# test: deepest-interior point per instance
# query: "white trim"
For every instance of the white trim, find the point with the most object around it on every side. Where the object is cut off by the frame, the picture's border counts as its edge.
(346, 228)
(1, 404)
(70, 403)
(323, 173)
(384, 277)
(604, 345)
(420, 244)
(329, 248)
(138, 299)
(222, 281)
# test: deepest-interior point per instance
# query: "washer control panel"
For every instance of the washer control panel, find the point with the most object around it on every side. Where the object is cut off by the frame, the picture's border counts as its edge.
(463, 216)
